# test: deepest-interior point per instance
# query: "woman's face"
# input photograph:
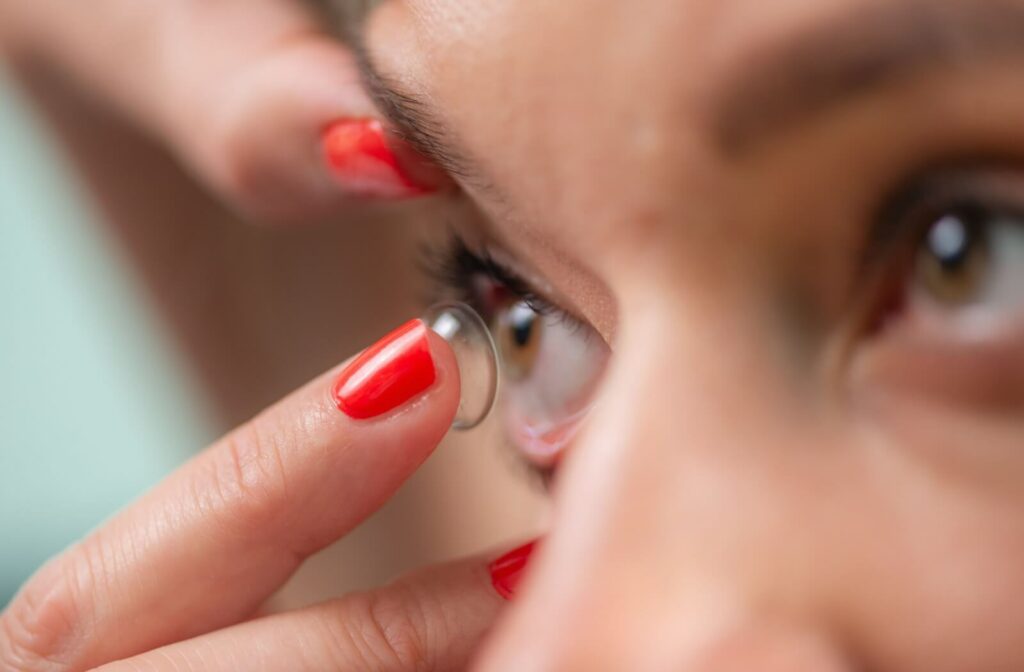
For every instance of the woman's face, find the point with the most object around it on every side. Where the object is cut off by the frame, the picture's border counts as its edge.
(799, 228)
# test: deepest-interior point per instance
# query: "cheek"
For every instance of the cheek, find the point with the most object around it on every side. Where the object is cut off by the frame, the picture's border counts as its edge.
(942, 593)
(900, 528)
(952, 408)
(944, 559)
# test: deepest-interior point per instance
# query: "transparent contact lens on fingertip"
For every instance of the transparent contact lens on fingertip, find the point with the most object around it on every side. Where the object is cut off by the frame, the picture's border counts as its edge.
(477, 357)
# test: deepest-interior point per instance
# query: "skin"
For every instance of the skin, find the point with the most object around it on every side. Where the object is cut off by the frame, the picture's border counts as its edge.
(829, 500)
(767, 483)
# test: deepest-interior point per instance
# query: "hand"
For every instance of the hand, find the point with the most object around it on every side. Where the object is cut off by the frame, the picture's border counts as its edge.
(241, 91)
(169, 583)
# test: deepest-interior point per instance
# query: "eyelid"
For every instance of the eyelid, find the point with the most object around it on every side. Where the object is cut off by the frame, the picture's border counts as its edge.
(993, 184)
(905, 216)
(454, 265)
(539, 294)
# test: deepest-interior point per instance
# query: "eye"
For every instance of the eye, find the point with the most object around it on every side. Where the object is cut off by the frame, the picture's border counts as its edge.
(552, 365)
(952, 265)
(551, 361)
(950, 323)
(968, 263)
(518, 331)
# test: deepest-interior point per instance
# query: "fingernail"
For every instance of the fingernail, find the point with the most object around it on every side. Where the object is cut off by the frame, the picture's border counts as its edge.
(358, 154)
(507, 571)
(390, 373)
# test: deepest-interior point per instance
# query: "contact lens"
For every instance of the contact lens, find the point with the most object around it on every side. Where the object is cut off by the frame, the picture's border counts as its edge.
(475, 354)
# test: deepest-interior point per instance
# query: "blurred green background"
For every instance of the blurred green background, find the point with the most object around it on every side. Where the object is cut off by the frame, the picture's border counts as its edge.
(94, 406)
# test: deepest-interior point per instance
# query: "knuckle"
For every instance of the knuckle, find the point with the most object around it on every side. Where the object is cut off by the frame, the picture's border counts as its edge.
(397, 612)
(387, 629)
(252, 175)
(241, 172)
(247, 480)
(45, 626)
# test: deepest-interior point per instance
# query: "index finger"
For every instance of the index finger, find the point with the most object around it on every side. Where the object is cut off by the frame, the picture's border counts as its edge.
(211, 543)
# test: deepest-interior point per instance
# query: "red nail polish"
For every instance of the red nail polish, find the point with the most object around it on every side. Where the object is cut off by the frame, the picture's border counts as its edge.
(391, 372)
(358, 154)
(507, 570)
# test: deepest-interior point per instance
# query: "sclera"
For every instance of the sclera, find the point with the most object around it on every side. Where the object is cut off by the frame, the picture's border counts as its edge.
(475, 353)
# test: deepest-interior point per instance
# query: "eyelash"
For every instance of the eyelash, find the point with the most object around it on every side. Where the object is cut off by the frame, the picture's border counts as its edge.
(904, 221)
(454, 267)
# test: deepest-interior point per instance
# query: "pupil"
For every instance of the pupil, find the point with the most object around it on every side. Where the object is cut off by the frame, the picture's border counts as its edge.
(951, 241)
(522, 330)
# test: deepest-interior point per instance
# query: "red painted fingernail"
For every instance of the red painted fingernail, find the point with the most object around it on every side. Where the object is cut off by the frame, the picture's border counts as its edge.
(358, 154)
(391, 372)
(507, 570)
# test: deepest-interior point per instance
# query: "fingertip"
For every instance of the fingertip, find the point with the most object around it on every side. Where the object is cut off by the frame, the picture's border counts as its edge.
(449, 376)
(368, 161)
(409, 367)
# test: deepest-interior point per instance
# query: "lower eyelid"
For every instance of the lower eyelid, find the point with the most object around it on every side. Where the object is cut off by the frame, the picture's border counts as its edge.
(980, 370)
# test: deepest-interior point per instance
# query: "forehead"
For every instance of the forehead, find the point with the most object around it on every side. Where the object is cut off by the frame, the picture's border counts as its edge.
(546, 93)
(585, 116)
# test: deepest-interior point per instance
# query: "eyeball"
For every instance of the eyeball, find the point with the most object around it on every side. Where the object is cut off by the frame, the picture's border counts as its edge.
(552, 365)
(955, 259)
(476, 355)
(519, 330)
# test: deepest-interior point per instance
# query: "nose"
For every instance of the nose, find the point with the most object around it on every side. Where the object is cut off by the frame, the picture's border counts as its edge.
(694, 518)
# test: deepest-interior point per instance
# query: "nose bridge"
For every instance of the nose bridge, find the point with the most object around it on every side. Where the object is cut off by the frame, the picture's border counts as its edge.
(667, 507)
(698, 413)
(698, 429)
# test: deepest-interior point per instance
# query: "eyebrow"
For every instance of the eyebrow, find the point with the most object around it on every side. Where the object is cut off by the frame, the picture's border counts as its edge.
(413, 118)
(855, 55)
